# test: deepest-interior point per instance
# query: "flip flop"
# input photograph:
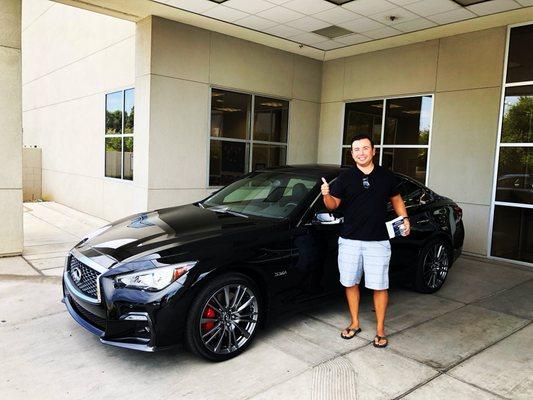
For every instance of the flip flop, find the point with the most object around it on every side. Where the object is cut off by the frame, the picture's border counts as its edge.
(350, 335)
(379, 338)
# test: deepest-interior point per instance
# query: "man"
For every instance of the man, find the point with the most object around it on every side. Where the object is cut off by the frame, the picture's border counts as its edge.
(364, 191)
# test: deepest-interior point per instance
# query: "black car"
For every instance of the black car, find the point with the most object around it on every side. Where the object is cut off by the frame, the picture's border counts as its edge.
(209, 274)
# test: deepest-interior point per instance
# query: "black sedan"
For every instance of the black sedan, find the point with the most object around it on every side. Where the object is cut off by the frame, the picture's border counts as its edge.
(209, 274)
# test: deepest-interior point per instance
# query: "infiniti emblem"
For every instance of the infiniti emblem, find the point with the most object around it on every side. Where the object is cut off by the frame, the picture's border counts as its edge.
(76, 274)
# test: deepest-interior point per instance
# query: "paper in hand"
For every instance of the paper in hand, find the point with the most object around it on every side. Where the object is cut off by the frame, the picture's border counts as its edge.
(395, 227)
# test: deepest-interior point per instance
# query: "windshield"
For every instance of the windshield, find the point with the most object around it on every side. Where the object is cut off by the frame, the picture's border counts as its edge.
(266, 194)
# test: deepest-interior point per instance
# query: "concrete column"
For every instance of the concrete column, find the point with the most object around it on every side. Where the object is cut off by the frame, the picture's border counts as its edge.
(11, 236)
(172, 97)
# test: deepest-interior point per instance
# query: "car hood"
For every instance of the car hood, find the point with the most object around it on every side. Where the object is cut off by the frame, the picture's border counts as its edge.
(145, 235)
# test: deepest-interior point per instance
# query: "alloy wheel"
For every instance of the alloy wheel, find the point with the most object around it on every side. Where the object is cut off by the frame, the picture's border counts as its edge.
(229, 318)
(436, 265)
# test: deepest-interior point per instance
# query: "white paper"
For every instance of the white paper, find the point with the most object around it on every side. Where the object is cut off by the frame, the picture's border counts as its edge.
(393, 227)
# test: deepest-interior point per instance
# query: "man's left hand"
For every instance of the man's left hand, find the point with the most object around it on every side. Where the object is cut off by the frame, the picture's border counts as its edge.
(407, 227)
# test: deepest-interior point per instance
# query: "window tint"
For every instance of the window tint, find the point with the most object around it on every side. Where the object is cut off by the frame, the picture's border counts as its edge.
(520, 61)
(233, 150)
(408, 120)
(363, 118)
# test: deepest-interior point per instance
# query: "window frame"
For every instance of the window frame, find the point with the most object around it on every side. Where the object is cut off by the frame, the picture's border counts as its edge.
(249, 125)
(381, 146)
(499, 144)
(119, 135)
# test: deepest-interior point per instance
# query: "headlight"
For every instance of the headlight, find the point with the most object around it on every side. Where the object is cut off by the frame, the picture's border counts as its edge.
(155, 279)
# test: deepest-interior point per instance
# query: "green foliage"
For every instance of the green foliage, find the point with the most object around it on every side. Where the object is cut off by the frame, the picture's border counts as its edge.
(517, 128)
(113, 122)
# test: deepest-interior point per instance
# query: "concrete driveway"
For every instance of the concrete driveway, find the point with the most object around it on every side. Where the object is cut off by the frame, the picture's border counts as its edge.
(472, 340)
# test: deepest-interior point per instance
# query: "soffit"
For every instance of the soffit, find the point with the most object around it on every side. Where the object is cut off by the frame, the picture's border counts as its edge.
(289, 24)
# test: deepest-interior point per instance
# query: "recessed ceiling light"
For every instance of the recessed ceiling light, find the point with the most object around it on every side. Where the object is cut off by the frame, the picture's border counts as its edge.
(218, 1)
(339, 2)
(465, 3)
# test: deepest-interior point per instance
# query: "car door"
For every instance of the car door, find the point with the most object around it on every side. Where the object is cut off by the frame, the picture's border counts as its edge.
(314, 254)
(417, 201)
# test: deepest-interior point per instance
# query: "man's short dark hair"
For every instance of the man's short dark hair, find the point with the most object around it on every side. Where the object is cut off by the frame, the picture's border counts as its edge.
(361, 137)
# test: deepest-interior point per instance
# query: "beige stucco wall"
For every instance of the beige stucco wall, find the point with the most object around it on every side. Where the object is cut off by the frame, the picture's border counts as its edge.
(11, 236)
(464, 73)
(178, 69)
(71, 59)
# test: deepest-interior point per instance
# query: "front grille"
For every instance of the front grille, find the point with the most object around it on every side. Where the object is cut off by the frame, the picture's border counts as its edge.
(88, 282)
(94, 319)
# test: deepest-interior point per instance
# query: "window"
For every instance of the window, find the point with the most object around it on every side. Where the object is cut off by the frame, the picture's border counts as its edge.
(248, 132)
(402, 142)
(512, 206)
(119, 121)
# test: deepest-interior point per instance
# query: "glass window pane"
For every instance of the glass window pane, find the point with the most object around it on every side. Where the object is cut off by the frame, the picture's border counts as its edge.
(113, 113)
(512, 236)
(229, 114)
(347, 158)
(363, 118)
(128, 158)
(227, 162)
(113, 151)
(129, 110)
(408, 120)
(271, 119)
(515, 175)
(410, 162)
(520, 61)
(265, 156)
(518, 115)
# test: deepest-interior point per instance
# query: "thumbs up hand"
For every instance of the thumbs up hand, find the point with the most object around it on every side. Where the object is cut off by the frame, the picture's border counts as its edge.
(324, 188)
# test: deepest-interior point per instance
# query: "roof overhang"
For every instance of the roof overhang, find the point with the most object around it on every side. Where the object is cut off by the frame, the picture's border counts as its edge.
(136, 10)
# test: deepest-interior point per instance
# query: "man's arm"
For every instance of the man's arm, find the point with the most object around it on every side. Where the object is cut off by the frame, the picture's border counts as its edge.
(330, 202)
(401, 211)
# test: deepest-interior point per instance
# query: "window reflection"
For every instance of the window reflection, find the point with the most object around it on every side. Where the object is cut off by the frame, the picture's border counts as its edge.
(113, 113)
(518, 115)
(128, 158)
(512, 235)
(129, 110)
(520, 61)
(515, 175)
(363, 118)
(265, 156)
(271, 119)
(227, 162)
(113, 152)
(229, 114)
(410, 162)
(408, 120)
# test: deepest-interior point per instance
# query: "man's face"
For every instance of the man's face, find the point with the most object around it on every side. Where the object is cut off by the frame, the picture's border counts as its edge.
(362, 152)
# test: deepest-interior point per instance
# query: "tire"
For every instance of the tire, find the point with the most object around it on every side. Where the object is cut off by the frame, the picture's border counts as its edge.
(434, 263)
(224, 318)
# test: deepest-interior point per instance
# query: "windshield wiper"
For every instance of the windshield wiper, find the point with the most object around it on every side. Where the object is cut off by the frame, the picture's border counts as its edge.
(226, 210)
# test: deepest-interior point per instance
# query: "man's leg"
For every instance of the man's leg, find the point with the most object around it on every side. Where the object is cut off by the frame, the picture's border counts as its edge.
(381, 298)
(376, 263)
(352, 295)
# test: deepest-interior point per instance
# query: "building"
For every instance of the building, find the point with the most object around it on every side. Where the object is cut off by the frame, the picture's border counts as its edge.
(141, 104)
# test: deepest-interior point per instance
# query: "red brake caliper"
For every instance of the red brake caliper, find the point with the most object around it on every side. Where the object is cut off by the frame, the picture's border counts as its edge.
(208, 313)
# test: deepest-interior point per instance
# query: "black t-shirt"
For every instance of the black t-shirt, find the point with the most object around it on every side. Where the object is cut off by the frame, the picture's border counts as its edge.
(365, 209)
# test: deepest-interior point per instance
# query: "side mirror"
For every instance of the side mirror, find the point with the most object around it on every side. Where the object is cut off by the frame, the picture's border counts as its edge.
(425, 198)
(327, 218)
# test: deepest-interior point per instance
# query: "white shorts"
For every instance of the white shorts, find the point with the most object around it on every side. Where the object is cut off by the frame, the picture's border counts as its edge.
(370, 257)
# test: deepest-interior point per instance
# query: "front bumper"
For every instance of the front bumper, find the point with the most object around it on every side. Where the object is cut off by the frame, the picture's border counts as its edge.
(133, 330)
